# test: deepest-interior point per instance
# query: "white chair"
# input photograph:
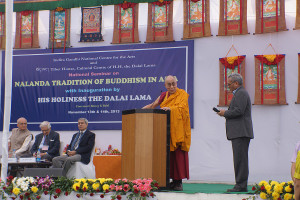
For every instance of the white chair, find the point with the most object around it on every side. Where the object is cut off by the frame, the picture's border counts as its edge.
(61, 148)
(80, 170)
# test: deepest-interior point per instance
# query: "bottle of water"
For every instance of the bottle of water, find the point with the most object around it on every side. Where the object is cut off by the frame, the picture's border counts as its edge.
(38, 156)
(14, 153)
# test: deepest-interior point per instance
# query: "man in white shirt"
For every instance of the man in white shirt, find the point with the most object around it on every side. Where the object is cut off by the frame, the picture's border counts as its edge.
(19, 141)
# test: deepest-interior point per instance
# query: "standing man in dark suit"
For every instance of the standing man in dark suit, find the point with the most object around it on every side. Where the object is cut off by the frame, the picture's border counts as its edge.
(80, 148)
(239, 130)
(47, 142)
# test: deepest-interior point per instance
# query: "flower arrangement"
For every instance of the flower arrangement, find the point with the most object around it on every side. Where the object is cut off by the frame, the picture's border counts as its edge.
(30, 188)
(274, 190)
(111, 151)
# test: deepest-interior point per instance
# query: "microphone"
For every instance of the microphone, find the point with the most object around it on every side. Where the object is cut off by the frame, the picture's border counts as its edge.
(216, 109)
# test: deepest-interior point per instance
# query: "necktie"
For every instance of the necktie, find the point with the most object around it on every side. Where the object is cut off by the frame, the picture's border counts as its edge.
(78, 140)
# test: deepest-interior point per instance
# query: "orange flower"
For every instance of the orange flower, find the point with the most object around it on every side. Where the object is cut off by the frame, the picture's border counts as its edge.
(161, 1)
(231, 60)
(270, 58)
(59, 9)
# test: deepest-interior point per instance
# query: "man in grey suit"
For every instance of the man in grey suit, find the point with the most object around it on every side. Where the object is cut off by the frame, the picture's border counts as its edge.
(239, 130)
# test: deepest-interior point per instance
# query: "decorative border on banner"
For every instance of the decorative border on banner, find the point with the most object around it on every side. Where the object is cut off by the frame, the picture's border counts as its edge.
(164, 33)
(124, 30)
(234, 24)
(196, 19)
(27, 33)
(270, 83)
(229, 65)
(272, 21)
(93, 35)
(64, 42)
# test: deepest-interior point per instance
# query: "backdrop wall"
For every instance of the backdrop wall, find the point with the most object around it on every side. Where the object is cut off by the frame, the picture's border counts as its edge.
(276, 128)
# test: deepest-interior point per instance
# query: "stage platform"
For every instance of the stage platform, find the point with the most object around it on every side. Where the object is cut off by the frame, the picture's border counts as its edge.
(203, 191)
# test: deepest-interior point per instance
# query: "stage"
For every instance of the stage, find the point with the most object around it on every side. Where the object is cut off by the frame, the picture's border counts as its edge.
(203, 191)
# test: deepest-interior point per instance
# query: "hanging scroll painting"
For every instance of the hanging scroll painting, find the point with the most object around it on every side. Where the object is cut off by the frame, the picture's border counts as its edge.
(59, 36)
(196, 19)
(160, 21)
(126, 23)
(27, 30)
(270, 16)
(270, 79)
(2, 30)
(233, 17)
(297, 23)
(229, 65)
(91, 24)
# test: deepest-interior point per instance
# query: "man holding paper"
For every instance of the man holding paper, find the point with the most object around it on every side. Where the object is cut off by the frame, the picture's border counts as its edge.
(47, 142)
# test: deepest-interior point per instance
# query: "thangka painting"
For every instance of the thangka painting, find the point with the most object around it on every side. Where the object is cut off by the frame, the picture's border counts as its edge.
(59, 36)
(2, 30)
(270, 16)
(297, 23)
(270, 79)
(27, 30)
(229, 65)
(91, 25)
(196, 19)
(233, 17)
(126, 23)
(160, 21)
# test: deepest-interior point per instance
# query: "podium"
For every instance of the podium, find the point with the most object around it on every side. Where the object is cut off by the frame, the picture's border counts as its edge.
(146, 145)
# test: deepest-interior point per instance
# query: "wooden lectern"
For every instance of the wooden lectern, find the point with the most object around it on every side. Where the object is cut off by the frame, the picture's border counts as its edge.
(146, 145)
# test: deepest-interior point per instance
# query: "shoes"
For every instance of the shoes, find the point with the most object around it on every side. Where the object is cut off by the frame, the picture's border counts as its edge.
(178, 187)
(238, 190)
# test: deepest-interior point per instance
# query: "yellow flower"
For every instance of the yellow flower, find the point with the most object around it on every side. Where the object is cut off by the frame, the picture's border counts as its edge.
(16, 191)
(288, 189)
(263, 183)
(268, 188)
(231, 60)
(278, 188)
(109, 179)
(288, 196)
(275, 195)
(85, 186)
(76, 186)
(270, 58)
(34, 189)
(105, 187)
(282, 183)
(92, 180)
(263, 195)
(291, 182)
(274, 182)
(95, 186)
(102, 180)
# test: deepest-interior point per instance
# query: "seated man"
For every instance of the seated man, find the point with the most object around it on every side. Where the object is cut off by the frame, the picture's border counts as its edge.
(80, 148)
(19, 141)
(47, 142)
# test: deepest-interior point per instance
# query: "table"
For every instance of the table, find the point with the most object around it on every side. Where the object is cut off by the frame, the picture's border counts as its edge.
(108, 166)
(17, 169)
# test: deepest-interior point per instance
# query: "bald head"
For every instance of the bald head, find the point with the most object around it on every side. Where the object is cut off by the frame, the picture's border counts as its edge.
(22, 123)
(171, 84)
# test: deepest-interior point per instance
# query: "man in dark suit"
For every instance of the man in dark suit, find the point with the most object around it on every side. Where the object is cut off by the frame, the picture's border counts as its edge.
(80, 148)
(47, 142)
(239, 130)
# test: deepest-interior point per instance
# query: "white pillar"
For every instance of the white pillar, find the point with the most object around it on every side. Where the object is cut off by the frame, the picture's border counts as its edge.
(8, 84)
